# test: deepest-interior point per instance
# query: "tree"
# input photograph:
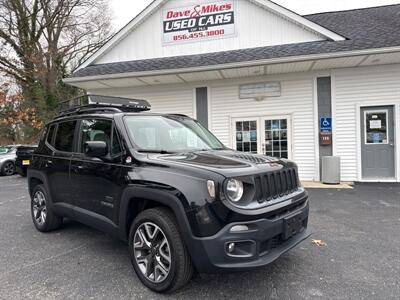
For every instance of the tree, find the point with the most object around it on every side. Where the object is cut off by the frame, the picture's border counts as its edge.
(42, 40)
(15, 119)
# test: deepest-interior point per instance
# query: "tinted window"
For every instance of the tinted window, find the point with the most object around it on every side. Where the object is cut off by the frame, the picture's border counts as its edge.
(51, 134)
(95, 130)
(65, 136)
(116, 146)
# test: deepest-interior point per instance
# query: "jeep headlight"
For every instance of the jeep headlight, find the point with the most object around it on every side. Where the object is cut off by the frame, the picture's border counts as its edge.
(234, 190)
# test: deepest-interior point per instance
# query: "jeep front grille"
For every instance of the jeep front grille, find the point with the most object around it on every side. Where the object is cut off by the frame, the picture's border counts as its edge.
(276, 184)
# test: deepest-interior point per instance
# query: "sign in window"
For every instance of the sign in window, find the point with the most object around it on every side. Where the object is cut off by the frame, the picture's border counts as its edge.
(376, 127)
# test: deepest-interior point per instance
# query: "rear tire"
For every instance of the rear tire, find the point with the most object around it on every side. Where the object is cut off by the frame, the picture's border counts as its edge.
(158, 253)
(8, 169)
(43, 217)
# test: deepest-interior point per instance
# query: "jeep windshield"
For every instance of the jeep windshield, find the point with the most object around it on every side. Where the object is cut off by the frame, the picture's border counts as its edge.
(169, 134)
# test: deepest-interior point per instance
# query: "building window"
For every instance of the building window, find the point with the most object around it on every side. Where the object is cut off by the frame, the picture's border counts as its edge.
(276, 138)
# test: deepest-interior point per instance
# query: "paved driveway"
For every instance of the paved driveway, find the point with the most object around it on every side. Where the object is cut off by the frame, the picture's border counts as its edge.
(361, 259)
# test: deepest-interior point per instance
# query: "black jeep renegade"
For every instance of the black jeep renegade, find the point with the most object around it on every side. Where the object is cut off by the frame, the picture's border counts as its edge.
(167, 186)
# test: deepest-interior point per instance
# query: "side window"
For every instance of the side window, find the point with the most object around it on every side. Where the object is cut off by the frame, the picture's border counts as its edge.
(65, 136)
(116, 146)
(50, 134)
(95, 130)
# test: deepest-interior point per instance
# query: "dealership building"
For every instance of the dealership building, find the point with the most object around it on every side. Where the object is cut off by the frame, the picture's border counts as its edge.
(266, 80)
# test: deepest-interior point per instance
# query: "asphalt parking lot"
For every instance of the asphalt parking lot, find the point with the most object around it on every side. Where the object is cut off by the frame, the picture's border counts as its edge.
(361, 258)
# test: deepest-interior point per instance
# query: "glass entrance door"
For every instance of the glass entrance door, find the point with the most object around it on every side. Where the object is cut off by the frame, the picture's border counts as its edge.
(246, 135)
(275, 137)
(269, 136)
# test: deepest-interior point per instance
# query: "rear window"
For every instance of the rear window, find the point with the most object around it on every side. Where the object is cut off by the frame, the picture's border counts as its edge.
(50, 134)
(65, 136)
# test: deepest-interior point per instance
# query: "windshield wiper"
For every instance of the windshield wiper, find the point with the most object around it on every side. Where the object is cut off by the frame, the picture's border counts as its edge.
(154, 151)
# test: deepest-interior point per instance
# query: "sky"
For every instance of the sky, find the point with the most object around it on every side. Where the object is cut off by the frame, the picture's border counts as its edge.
(125, 10)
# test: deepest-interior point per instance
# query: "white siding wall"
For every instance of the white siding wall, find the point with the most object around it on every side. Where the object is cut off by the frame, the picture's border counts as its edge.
(162, 100)
(255, 27)
(368, 86)
(296, 100)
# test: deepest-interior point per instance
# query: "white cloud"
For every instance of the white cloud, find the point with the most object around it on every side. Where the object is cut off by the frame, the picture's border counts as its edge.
(125, 10)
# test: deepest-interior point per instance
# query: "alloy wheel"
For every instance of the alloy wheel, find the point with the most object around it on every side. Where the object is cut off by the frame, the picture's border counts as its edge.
(8, 169)
(39, 208)
(152, 252)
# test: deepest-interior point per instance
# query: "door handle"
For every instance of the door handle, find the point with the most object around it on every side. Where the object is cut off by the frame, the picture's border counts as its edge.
(76, 169)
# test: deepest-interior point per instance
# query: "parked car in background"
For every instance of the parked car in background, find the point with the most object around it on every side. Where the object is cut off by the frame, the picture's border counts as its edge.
(23, 159)
(7, 160)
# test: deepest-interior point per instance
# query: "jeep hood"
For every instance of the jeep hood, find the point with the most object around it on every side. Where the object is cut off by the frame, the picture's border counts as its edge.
(224, 162)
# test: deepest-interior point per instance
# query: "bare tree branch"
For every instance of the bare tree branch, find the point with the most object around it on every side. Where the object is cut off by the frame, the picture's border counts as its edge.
(42, 40)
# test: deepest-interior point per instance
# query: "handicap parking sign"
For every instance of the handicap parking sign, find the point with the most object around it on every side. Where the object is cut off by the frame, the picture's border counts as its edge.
(326, 124)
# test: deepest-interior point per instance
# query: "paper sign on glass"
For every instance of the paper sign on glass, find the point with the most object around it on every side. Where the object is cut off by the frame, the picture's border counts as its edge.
(375, 124)
(246, 136)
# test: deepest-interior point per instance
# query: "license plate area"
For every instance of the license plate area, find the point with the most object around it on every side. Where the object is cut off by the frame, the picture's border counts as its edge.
(292, 226)
(26, 162)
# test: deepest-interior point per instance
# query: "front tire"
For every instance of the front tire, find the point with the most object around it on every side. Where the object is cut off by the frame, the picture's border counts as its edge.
(158, 254)
(43, 217)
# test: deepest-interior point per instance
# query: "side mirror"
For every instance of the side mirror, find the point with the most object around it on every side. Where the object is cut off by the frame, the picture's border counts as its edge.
(96, 149)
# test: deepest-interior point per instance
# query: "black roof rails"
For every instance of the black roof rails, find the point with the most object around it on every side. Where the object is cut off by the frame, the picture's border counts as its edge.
(98, 103)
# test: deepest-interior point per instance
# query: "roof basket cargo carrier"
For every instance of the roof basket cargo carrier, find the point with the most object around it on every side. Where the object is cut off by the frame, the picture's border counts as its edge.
(96, 103)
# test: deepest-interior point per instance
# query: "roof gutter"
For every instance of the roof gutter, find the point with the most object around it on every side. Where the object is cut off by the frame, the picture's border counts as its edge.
(252, 63)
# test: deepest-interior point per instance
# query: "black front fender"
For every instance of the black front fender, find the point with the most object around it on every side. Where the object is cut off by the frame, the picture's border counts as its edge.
(167, 197)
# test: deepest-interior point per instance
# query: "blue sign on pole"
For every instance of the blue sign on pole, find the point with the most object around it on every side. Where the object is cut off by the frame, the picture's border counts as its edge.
(326, 125)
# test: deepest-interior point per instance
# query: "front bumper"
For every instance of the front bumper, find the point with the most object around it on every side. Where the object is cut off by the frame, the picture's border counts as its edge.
(263, 242)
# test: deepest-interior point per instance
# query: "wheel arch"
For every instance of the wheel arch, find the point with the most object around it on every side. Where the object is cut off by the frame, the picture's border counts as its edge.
(35, 178)
(136, 199)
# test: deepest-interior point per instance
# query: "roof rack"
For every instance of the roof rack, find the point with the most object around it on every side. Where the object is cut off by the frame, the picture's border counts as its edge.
(97, 103)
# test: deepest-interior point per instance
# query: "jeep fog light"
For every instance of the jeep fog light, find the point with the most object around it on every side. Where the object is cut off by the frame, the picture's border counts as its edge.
(234, 190)
(231, 247)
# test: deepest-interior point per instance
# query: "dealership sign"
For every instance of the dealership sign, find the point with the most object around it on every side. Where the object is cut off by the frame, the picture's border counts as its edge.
(199, 22)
